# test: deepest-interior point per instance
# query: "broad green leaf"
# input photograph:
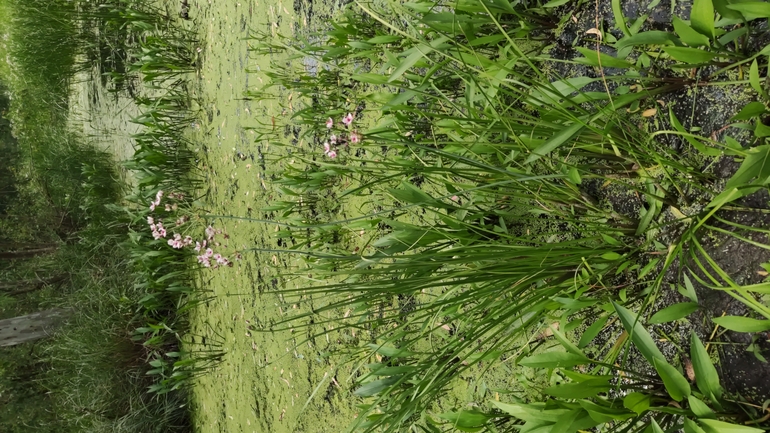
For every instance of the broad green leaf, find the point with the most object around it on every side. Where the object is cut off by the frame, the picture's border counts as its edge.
(655, 427)
(756, 164)
(376, 386)
(691, 427)
(530, 412)
(584, 389)
(554, 360)
(673, 312)
(751, 110)
(688, 35)
(466, 419)
(689, 55)
(752, 10)
(754, 80)
(702, 17)
(761, 130)
(689, 288)
(715, 426)
(637, 402)
(641, 338)
(699, 408)
(742, 324)
(605, 414)
(384, 39)
(593, 58)
(724, 11)
(706, 376)
(676, 384)
(592, 331)
(652, 37)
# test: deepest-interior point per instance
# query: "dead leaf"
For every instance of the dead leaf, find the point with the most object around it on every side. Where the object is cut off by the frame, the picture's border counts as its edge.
(649, 112)
(595, 31)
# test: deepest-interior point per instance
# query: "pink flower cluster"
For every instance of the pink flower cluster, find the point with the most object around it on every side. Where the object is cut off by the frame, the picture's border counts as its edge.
(352, 137)
(207, 254)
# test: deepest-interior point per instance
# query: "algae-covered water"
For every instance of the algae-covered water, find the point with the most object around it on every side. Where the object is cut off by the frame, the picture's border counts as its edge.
(282, 381)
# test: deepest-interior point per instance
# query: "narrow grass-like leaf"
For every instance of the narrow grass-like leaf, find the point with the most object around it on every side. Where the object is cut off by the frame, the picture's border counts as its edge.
(554, 360)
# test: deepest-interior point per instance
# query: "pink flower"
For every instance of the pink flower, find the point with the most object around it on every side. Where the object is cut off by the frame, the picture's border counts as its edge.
(347, 120)
(333, 139)
(210, 232)
(209, 252)
(329, 123)
(150, 221)
(222, 260)
(455, 198)
(355, 137)
(152, 206)
(159, 196)
(188, 241)
(331, 154)
(204, 260)
(327, 148)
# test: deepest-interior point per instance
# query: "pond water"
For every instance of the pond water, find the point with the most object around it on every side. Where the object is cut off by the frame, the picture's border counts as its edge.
(267, 382)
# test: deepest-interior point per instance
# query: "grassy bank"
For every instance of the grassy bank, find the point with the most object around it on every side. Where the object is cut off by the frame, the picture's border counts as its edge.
(99, 372)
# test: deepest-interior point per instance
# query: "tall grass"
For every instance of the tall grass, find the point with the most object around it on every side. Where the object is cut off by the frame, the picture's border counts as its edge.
(482, 176)
(117, 365)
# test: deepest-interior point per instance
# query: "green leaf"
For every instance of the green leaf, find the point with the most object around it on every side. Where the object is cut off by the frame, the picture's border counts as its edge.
(700, 147)
(702, 17)
(761, 130)
(641, 338)
(620, 20)
(554, 360)
(554, 142)
(592, 331)
(756, 164)
(466, 419)
(655, 427)
(637, 402)
(689, 55)
(714, 426)
(691, 427)
(584, 389)
(751, 110)
(530, 412)
(673, 312)
(706, 376)
(676, 384)
(699, 408)
(742, 324)
(752, 10)
(754, 80)
(688, 35)
(593, 58)
(652, 37)
(605, 414)
(376, 386)
(724, 11)
(390, 351)
(689, 289)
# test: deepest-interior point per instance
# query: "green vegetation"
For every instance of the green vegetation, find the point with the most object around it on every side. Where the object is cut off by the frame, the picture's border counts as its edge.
(480, 179)
(70, 233)
(464, 221)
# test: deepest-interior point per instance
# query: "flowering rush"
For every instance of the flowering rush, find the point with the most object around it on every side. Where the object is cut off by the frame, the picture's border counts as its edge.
(156, 202)
(347, 120)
